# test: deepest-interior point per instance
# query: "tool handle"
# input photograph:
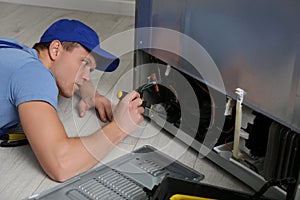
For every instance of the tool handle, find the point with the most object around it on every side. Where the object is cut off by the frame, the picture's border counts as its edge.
(121, 94)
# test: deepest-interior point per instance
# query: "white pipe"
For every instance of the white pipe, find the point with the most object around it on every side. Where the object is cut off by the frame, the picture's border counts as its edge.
(238, 121)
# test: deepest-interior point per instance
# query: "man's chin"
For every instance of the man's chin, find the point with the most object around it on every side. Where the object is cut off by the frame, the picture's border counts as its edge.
(67, 94)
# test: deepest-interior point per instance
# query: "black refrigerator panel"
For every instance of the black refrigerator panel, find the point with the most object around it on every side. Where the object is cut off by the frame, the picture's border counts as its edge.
(254, 45)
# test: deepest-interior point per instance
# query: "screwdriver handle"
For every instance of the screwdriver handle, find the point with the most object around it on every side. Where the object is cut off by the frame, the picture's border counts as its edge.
(121, 94)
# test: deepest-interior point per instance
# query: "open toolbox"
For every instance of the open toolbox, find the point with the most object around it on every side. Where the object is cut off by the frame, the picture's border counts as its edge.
(172, 187)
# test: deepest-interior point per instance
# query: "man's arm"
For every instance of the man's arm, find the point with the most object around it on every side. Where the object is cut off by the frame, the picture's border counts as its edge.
(62, 157)
(91, 98)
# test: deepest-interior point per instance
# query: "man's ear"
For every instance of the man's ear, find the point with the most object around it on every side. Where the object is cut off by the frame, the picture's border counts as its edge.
(54, 49)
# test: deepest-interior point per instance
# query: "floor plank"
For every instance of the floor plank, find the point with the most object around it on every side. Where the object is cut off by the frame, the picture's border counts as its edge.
(20, 172)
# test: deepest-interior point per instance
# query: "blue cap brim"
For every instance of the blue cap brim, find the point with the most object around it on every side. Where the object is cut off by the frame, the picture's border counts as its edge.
(105, 60)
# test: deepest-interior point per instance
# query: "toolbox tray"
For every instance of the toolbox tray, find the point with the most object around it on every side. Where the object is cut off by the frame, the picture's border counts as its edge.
(132, 176)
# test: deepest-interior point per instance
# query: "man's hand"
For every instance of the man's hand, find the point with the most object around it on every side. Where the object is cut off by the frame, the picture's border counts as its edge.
(101, 103)
(128, 112)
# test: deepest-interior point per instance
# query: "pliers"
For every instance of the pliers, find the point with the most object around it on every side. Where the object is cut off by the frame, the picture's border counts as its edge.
(13, 139)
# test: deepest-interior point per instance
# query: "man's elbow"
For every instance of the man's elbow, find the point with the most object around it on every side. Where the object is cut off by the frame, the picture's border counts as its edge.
(60, 169)
(59, 174)
(58, 177)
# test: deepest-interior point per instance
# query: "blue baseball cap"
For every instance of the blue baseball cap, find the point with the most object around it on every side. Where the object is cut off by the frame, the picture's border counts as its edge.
(66, 30)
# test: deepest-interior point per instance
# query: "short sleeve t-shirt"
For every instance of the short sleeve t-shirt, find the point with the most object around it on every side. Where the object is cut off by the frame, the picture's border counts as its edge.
(23, 78)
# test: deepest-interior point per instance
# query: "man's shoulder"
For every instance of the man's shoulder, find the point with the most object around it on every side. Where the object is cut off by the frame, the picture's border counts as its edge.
(36, 71)
(33, 81)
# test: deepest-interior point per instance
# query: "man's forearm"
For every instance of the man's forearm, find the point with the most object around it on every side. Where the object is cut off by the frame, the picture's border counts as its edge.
(102, 141)
(81, 154)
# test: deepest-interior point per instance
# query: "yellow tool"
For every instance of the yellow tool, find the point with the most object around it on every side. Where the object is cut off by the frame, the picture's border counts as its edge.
(121, 94)
(187, 197)
(13, 136)
(13, 139)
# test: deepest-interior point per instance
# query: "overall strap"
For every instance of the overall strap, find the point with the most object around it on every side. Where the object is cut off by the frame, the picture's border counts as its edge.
(6, 44)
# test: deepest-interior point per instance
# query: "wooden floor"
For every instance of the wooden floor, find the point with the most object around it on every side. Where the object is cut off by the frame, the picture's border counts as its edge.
(20, 173)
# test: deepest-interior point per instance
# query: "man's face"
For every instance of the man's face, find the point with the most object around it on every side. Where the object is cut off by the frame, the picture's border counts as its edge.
(72, 68)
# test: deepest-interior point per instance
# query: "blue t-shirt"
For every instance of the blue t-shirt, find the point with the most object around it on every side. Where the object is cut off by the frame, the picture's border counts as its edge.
(23, 78)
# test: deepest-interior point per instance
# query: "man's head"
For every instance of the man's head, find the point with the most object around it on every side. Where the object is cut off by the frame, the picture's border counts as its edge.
(66, 30)
(70, 49)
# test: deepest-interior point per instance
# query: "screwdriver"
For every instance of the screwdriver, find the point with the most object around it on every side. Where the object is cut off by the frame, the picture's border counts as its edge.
(121, 94)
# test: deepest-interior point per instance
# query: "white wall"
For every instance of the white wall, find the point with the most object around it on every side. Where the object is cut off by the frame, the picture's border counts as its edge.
(122, 7)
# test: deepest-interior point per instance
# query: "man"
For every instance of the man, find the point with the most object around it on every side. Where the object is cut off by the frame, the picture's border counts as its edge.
(61, 64)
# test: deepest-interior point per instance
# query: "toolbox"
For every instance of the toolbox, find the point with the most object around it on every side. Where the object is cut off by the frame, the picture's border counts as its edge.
(182, 189)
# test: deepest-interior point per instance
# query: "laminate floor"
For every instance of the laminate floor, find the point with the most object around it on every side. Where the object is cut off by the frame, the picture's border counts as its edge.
(20, 173)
